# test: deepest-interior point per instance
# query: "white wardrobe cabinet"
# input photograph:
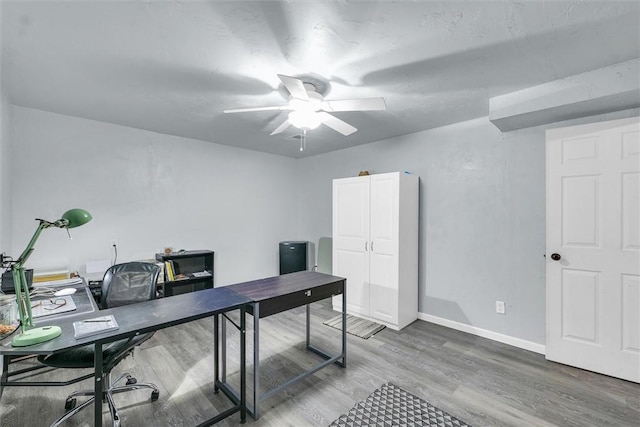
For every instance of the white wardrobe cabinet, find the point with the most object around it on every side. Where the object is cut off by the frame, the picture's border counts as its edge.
(375, 246)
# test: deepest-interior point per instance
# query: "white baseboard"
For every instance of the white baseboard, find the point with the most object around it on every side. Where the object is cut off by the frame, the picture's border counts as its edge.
(484, 333)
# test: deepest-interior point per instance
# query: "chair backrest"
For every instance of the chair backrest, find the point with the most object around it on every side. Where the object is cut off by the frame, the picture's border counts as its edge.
(325, 264)
(129, 283)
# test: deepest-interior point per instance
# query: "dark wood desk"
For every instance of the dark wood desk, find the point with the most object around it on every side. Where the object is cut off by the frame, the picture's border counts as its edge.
(145, 317)
(277, 294)
(84, 302)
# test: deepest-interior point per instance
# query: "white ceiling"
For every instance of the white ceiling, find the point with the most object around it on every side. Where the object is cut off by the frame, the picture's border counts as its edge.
(173, 66)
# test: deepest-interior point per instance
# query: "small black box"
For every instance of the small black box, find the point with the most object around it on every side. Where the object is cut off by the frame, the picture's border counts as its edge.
(293, 257)
(7, 281)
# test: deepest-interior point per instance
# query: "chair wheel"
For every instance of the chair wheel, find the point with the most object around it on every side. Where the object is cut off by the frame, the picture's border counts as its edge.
(70, 404)
(155, 395)
(131, 381)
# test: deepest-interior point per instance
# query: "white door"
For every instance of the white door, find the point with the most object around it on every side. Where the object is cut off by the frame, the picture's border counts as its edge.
(351, 241)
(383, 247)
(593, 226)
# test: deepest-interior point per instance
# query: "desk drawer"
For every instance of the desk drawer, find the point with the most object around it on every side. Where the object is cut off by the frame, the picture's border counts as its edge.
(297, 299)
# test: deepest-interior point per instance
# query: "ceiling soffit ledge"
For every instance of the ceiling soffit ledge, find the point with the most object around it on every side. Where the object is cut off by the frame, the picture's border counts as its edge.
(605, 90)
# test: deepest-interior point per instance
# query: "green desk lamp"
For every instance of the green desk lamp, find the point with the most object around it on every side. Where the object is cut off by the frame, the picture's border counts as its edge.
(29, 334)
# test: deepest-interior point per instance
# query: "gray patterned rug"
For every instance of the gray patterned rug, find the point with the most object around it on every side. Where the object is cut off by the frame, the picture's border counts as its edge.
(356, 326)
(391, 406)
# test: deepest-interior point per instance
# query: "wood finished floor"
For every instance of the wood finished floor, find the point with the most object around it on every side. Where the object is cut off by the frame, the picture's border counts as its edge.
(477, 380)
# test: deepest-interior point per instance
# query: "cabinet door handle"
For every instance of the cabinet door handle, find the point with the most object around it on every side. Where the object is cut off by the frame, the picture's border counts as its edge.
(372, 246)
(365, 245)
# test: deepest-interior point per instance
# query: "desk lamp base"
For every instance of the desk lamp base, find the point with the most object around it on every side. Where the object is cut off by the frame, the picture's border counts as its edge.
(36, 335)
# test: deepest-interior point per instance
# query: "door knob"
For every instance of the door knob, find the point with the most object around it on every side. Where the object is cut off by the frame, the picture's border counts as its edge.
(555, 257)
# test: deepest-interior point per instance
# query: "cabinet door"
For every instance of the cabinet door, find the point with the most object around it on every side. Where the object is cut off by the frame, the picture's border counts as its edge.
(351, 241)
(384, 240)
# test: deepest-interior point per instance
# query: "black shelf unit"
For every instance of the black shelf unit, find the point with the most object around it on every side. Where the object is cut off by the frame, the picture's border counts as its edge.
(195, 266)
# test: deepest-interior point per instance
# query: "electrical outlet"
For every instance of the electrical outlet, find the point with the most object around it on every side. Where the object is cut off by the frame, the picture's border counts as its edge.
(500, 307)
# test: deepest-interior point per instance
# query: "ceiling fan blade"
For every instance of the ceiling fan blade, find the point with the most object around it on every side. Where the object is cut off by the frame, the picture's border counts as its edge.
(245, 110)
(336, 124)
(363, 104)
(294, 86)
(281, 128)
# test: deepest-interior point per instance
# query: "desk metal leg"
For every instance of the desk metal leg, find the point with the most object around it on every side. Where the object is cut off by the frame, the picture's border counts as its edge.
(243, 365)
(256, 361)
(4, 376)
(308, 332)
(344, 327)
(254, 410)
(216, 352)
(339, 359)
(239, 400)
(97, 384)
(223, 346)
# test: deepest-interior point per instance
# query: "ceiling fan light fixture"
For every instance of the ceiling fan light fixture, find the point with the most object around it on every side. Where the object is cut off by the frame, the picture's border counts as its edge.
(305, 119)
(309, 109)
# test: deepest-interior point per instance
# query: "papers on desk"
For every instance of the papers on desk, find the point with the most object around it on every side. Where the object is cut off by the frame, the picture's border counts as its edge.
(59, 283)
(94, 326)
(54, 305)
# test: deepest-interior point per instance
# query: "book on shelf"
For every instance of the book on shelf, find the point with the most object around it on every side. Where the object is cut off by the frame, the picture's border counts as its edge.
(168, 266)
(94, 326)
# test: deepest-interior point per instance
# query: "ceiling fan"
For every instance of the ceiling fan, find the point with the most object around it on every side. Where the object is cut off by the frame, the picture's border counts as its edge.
(308, 109)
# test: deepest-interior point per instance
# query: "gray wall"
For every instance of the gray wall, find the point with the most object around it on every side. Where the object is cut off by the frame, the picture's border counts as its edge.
(482, 217)
(148, 191)
(5, 173)
(482, 211)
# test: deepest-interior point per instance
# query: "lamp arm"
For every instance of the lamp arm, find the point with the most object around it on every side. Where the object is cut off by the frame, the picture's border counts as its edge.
(20, 279)
(22, 297)
(27, 251)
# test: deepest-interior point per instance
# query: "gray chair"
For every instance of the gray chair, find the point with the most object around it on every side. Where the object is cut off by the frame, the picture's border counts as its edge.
(123, 284)
(324, 263)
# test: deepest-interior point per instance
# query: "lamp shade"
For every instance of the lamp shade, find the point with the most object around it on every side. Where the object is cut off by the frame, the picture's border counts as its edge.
(76, 217)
